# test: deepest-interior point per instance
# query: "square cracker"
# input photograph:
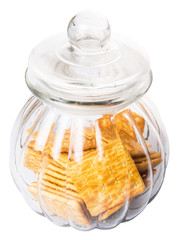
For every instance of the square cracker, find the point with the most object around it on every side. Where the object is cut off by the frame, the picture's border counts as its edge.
(64, 206)
(106, 178)
(125, 124)
(105, 129)
(139, 120)
(135, 149)
(108, 125)
(109, 212)
(32, 159)
(87, 137)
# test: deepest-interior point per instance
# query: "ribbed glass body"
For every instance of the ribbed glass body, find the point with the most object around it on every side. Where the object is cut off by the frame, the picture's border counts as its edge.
(89, 170)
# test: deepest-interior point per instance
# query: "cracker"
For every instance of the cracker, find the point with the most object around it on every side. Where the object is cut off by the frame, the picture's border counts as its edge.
(153, 155)
(62, 206)
(60, 189)
(32, 159)
(124, 124)
(60, 160)
(106, 128)
(131, 145)
(139, 120)
(88, 138)
(109, 212)
(144, 166)
(59, 182)
(145, 177)
(105, 180)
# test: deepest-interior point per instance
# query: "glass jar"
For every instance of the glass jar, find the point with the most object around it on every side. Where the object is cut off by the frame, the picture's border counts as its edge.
(88, 149)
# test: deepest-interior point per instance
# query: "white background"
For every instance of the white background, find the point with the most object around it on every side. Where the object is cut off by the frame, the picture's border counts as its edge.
(23, 23)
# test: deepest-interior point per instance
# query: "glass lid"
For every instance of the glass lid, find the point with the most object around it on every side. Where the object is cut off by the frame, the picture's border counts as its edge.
(88, 65)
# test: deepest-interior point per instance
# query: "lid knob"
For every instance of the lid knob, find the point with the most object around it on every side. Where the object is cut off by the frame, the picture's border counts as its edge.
(89, 31)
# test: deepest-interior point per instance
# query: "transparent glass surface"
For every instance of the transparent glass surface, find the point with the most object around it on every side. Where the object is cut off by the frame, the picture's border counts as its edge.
(89, 171)
(88, 65)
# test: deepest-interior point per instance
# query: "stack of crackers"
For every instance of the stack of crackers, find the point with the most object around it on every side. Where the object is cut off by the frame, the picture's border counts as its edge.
(96, 179)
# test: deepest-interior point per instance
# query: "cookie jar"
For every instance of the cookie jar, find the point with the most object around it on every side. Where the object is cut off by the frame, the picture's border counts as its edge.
(88, 149)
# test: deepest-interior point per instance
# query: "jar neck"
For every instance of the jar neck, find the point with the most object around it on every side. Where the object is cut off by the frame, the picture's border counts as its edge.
(69, 102)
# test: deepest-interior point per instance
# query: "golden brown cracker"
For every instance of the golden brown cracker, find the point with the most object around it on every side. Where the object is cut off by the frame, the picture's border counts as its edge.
(144, 166)
(131, 145)
(124, 124)
(139, 120)
(60, 189)
(109, 212)
(32, 159)
(105, 128)
(145, 177)
(144, 159)
(58, 182)
(105, 180)
(87, 137)
(62, 206)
